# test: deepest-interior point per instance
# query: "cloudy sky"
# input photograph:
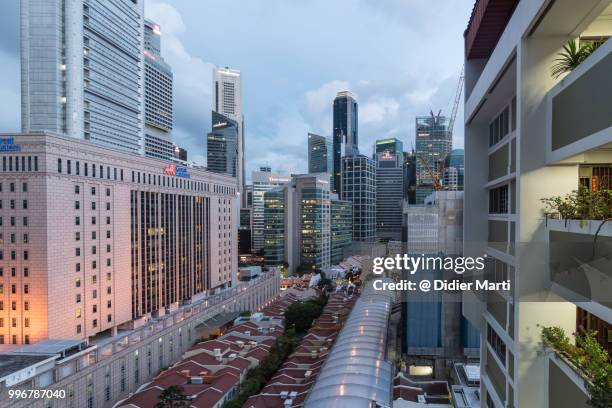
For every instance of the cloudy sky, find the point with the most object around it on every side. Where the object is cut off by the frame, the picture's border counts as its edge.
(400, 58)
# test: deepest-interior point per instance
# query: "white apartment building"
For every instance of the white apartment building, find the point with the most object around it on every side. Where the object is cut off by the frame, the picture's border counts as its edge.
(529, 136)
(95, 239)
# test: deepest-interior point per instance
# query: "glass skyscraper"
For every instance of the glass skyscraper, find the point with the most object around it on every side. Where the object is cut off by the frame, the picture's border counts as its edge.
(359, 187)
(434, 140)
(274, 231)
(82, 70)
(389, 195)
(345, 132)
(454, 170)
(222, 145)
(341, 228)
(320, 155)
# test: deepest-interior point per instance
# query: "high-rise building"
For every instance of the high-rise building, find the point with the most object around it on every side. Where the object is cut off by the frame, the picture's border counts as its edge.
(341, 214)
(434, 140)
(393, 146)
(222, 145)
(320, 154)
(180, 153)
(389, 195)
(410, 177)
(245, 231)
(345, 132)
(132, 237)
(453, 171)
(263, 180)
(432, 330)
(298, 224)
(227, 101)
(82, 73)
(530, 135)
(158, 96)
(359, 187)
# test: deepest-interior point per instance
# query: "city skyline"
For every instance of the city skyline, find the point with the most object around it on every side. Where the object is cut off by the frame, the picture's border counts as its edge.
(283, 101)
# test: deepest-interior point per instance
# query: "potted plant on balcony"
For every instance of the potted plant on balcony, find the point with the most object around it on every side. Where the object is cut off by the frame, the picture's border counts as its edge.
(588, 358)
(572, 55)
(583, 205)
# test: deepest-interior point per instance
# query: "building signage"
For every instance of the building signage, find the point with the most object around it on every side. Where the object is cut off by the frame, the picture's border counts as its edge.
(7, 144)
(178, 171)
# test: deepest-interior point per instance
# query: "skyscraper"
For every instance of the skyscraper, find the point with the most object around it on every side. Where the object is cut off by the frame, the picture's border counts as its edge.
(453, 171)
(222, 145)
(227, 101)
(341, 214)
(344, 132)
(263, 180)
(359, 187)
(320, 155)
(158, 96)
(389, 195)
(298, 226)
(433, 143)
(82, 73)
(393, 146)
(410, 177)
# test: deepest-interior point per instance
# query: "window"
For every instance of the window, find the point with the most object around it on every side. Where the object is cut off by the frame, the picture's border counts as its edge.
(77, 205)
(26, 322)
(77, 220)
(108, 192)
(59, 165)
(94, 323)
(78, 267)
(108, 248)
(77, 236)
(108, 234)
(25, 221)
(93, 192)
(497, 344)
(499, 127)
(26, 289)
(78, 329)
(24, 187)
(94, 264)
(498, 200)
(25, 204)
(93, 205)
(93, 234)
(93, 250)
(78, 298)
(12, 187)
(77, 283)
(26, 255)
(108, 220)
(26, 272)
(26, 306)
(108, 262)
(77, 190)
(107, 206)
(93, 220)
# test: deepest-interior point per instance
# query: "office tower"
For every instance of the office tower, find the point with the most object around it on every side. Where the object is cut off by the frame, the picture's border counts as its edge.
(248, 192)
(528, 136)
(341, 214)
(245, 231)
(344, 133)
(389, 195)
(320, 154)
(158, 96)
(393, 146)
(313, 198)
(263, 180)
(359, 187)
(222, 145)
(279, 231)
(298, 224)
(453, 171)
(131, 237)
(410, 177)
(180, 153)
(434, 141)
(79, 68)
(227, 101)
(432, 330)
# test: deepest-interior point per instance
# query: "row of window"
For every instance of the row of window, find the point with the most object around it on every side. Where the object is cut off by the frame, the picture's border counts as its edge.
(138, 177)
(19, 163)
(12, 187)
(26, 306)
(26, 339)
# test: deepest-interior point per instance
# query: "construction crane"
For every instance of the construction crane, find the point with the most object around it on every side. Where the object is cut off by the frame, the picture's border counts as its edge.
(451, 123)
(434, 175)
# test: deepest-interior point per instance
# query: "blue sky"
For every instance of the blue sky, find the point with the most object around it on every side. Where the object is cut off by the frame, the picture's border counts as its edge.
(401, 58)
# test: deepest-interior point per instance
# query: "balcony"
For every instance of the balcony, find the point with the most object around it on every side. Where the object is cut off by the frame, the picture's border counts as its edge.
(566, 383)
(579, 109)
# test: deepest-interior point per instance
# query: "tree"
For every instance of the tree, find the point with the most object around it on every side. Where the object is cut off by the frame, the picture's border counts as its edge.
(300, 315)
(172, 397)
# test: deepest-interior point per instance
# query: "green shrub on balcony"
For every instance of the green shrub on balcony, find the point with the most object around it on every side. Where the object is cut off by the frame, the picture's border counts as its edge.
(589, 357)
(581, 204)
(573, 54)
